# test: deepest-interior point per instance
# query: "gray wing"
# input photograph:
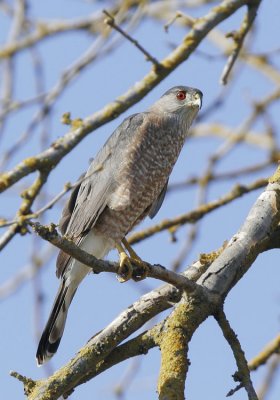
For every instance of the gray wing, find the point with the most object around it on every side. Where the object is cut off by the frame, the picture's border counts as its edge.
(64, 258)
(69, 207)
(155, 207)
(99, 183)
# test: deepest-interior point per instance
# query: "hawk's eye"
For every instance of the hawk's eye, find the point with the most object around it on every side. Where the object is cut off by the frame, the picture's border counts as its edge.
(181, 95)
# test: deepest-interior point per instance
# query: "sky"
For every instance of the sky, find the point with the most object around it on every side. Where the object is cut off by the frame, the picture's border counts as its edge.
(252, 306)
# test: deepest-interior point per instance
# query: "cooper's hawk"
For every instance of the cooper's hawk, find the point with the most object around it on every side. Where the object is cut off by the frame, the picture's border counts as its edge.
(126, 182)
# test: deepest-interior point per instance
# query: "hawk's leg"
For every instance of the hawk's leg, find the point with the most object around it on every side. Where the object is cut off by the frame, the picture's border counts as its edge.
(130, 250)
(135, 259)
(125, 269)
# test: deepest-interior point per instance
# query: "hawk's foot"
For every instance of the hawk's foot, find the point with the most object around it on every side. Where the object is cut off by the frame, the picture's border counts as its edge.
(131, 267)
(140, 269)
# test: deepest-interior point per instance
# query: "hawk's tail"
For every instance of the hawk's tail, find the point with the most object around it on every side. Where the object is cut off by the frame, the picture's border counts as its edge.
(53, 331)
(73, 275)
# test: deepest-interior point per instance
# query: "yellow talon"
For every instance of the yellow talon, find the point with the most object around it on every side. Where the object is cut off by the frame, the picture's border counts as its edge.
(142, 270)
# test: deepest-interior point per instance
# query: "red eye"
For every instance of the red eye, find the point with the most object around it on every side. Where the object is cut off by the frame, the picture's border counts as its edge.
(181, 95)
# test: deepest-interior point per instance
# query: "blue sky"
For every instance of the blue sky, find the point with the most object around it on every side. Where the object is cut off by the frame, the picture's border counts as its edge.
(252, 306)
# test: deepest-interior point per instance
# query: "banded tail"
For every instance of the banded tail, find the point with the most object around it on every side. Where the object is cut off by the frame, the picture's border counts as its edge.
(53, 331)
(72, 276)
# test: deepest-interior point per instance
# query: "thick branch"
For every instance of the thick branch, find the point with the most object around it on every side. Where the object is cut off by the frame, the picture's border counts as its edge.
(176, 335)
(244, 247)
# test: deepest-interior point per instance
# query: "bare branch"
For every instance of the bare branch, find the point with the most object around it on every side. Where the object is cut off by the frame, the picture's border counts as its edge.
(153, 271)
(231, 338)
(239, 37)
(272, 369)
(222, 176)
(45, 29)
(111, 22)
(269, 350)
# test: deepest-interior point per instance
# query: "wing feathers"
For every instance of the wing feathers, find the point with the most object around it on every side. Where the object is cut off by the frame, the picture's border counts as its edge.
(155, 207)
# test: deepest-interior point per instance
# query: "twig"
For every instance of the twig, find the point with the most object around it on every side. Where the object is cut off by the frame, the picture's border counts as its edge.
(194, 229)
(269, 350)
(49, 98)
(220, 176)
(39, 75)
(44, 29)
(111, 22)
(231, 338)
(252, 138)
(29, 195)
(125, 381)
(187, 246)
(8, 236)
(28, 217)
(19, 104)
(96, 51)
(272, 370)
(7, 79)
(239, 37)
(11, 285)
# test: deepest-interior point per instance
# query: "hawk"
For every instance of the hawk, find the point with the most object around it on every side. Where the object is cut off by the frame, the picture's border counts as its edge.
(126, 182)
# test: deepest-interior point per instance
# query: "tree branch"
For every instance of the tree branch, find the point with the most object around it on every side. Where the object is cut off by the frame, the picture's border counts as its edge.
(111, 22)
(157, 271)
(239, 37)
(178, 330)
(271, 348)
(243, 370)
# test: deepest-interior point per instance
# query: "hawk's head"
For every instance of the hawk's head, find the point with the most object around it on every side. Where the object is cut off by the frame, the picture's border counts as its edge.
(181, 100)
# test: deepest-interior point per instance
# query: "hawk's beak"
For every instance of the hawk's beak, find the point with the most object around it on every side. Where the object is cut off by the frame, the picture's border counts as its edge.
(197, 101)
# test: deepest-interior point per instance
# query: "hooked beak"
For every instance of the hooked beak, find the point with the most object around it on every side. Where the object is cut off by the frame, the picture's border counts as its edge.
(197, 99)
